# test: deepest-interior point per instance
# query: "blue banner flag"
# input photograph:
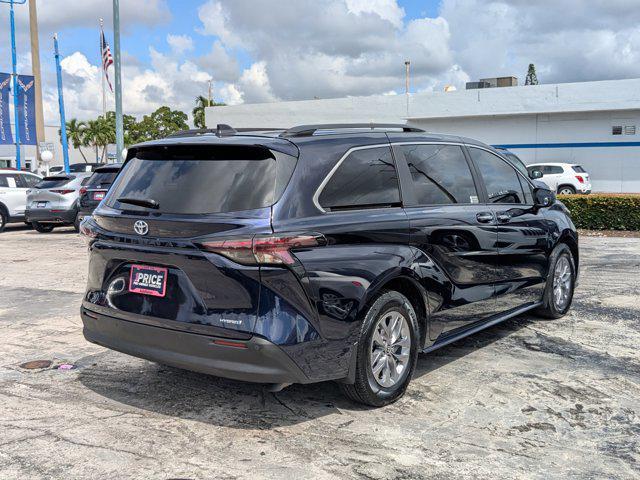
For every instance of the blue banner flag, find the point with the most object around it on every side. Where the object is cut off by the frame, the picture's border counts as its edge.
(6, 138)
(27, 109)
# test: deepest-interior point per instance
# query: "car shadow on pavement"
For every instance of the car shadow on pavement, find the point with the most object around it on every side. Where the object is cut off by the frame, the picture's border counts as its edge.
(188, 395)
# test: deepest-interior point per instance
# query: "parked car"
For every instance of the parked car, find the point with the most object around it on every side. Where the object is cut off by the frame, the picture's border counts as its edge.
(564, 178)
(330, 252)
(84, 167)
(56, 169)
(13, 195)
(96, 188)
(53, 202)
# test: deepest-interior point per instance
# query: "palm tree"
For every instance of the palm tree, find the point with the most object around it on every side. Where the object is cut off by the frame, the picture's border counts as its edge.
(198, 111)
(76, 135)
(98, 133)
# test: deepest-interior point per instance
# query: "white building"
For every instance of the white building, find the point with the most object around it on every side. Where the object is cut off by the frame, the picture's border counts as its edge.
(595, 124)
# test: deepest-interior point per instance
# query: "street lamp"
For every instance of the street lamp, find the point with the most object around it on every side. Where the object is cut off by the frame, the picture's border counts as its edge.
(14, 63)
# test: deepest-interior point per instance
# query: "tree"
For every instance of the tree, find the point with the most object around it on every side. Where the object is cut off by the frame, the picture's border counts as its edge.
(76, 135)
(198, 111)
(160, 123)
(98, 134)
(532, 78)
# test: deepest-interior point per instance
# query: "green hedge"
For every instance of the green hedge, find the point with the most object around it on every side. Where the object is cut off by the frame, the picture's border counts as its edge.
(604, 212)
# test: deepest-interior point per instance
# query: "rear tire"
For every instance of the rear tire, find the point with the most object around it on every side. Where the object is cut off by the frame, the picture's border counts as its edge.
(4, 219)
(558, 292)
(76, 223)
(387, 351)
(42, 227)
(566, 190)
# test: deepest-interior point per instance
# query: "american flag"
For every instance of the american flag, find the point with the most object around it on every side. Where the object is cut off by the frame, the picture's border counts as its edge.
(107, 59)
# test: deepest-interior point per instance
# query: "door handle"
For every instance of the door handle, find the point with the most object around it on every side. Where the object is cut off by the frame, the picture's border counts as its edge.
(503, 217)
(484, 217)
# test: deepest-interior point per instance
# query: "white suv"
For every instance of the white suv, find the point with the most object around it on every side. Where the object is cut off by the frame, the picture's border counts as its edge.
(13, 195)
(564, 178)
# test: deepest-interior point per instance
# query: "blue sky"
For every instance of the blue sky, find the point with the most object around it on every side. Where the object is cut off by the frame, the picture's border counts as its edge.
(271, 50)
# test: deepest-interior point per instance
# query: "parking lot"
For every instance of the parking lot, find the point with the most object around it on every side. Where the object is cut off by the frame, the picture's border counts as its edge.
(526, 399)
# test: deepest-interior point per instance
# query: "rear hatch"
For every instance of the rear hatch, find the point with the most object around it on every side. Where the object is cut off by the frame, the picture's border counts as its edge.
(51, 193)
(167, 202)
(97, 187)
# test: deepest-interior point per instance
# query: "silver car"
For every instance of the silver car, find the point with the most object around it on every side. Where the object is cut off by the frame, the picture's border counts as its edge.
(53, 202)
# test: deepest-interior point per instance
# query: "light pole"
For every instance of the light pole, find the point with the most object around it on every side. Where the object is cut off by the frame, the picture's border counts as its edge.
(35, 63)
(14, 66)
(63, 122)
(407, 64)
(116, 59)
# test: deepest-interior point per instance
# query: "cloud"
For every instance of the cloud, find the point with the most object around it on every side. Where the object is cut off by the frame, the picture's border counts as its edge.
(180, 43)
(305, 49)
(572, 40)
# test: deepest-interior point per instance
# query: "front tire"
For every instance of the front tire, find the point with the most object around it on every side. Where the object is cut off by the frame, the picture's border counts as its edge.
(387, 351)
(561, 279)
(4, 219)
(42, 227)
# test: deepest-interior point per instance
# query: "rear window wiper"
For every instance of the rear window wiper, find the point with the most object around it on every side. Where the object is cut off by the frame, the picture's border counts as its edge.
(140, 202)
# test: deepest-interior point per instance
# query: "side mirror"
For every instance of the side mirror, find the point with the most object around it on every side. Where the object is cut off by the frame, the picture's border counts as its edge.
(535, 174)
(543, 197)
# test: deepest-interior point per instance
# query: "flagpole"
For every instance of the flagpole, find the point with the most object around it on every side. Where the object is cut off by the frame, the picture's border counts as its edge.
(14, 64)
(104, 95)
(63, 122)
(116, 51)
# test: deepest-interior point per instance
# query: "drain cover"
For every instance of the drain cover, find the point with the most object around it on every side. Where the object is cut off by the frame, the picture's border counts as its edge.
(36, 364)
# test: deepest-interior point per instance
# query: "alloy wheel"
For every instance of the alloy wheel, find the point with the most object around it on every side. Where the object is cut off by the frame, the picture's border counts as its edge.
(562, 283)
(390, 349)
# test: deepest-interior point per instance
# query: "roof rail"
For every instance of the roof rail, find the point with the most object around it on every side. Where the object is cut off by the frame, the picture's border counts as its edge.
(309, 130)
(221, 130)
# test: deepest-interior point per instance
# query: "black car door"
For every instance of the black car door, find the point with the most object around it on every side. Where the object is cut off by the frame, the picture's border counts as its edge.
(523, 231)
(453, 229)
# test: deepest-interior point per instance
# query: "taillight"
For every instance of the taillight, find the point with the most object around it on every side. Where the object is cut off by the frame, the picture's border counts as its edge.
(87, 230)
(580, 179)
(269, 250)
(83, 190)
(63, 192)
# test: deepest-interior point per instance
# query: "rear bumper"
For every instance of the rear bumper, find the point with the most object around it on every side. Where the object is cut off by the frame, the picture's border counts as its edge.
(46, 215)
(261, 361)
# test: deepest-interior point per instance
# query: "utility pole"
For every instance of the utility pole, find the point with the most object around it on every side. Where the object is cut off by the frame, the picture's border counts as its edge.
(116, 58)
(63, 122)
(35, 65)
(209, 93)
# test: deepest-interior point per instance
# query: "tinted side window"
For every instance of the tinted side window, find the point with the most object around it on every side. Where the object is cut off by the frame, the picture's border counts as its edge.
(578, 169)
(10, 180)
(440, 174)
(366, 178)
(30, 180)
(500, 179)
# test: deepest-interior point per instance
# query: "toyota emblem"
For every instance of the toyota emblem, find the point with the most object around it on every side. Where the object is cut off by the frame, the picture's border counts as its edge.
(141, 227)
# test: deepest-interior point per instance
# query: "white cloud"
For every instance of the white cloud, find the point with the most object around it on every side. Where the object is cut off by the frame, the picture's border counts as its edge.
(180, 43)
(305, 49)
(571, 40)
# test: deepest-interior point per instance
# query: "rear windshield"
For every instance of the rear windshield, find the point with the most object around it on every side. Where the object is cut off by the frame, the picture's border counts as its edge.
(578, 169)
(53, 182)
(201, 180)
(102, 179)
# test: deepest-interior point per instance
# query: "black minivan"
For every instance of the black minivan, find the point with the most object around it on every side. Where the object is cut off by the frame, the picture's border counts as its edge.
(326, 252)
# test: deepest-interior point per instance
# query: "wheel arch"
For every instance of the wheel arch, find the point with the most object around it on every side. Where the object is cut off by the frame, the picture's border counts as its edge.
(570, 239)
(404, 283)
(561, 185)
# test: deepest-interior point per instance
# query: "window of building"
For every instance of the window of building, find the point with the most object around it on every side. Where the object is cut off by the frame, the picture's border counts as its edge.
(440, 174)
(630, 130)
(500, 179)
(365, 179)
(616, 130)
